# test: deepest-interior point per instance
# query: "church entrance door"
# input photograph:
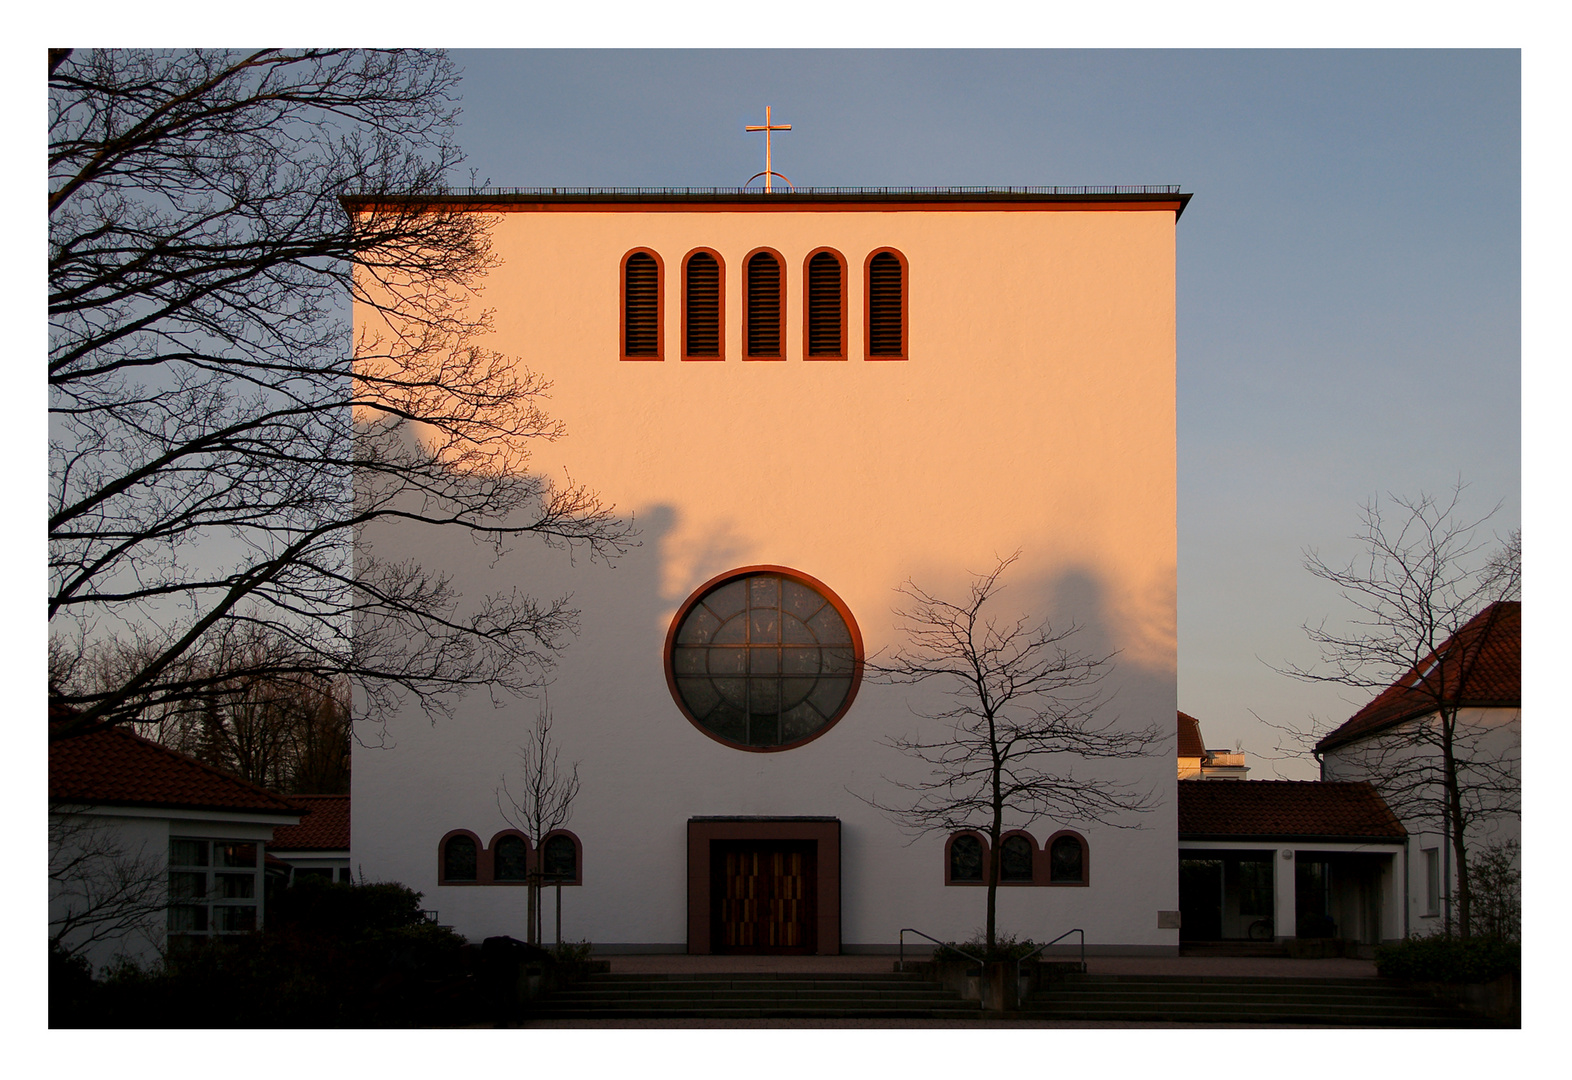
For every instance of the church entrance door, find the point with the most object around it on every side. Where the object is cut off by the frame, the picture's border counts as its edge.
(767, 885)
(762, 896)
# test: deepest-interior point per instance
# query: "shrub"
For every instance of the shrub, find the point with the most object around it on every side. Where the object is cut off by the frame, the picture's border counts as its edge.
(1496, 884)
(1448, 960)
(332, 955)
(573, 951)
(1005, 947)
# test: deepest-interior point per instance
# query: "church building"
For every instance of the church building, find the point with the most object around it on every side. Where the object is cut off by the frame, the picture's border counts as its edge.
(803, 400)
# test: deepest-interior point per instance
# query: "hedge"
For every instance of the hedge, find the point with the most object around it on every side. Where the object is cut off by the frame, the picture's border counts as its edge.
(1448, 959)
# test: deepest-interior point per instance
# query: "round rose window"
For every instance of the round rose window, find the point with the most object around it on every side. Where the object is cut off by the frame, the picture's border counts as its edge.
(764, 658)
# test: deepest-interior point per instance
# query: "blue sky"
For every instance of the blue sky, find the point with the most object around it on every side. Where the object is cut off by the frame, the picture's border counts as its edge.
(1349, 283)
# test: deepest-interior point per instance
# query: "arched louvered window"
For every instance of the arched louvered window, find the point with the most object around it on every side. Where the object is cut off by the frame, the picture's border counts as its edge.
(966, 859)
(703, 306)
(887, 315)
(510, 859)
(642, 302)
(460, 860)
(765, 300)
(1015, 858)
(824, 307)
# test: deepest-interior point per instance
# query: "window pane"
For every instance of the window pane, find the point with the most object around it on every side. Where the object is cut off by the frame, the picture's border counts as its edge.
(236, 917)
(236, 886)
(186, 885)
(559, 859)
(1015, 859)
(732, 691)
(187, 852)
(187, 918)
(511, 857)
(1255, 887)
(235, 854)
(800, 722)
(459, 859)
(966, 859)
(829, 627)
(1065, 860)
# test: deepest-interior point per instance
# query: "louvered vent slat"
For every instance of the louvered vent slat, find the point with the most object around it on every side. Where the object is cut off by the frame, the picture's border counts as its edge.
(641, 306)
(824, 305)
(884, 305)
(704, 298)
(764, 305)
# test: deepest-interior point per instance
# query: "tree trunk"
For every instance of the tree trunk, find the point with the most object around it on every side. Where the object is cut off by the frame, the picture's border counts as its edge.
(993, 888)
(532, 889)
(1454, 805)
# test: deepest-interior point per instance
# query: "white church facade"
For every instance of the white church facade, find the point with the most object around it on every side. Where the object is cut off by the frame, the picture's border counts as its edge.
(804, 400)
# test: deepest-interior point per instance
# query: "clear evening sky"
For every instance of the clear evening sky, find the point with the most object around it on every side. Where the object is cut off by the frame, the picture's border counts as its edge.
(1348, 268)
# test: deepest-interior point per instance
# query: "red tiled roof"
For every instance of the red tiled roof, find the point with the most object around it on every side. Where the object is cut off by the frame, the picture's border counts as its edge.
(1484, 668)
(117, 767)
(324, 828)
(1303, 809)
(1190, 744)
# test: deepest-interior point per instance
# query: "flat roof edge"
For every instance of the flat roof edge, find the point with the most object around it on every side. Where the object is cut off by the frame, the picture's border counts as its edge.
(506, 197)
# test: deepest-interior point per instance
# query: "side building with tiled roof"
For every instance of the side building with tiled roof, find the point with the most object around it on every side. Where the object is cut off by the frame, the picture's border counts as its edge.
(1394, 742)
(318, 846)
(148, 847)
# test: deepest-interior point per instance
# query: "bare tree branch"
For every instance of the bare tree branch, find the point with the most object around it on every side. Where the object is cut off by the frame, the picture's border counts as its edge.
(218, 442)
(543, 805)
(1420, 593)
(1023, 715)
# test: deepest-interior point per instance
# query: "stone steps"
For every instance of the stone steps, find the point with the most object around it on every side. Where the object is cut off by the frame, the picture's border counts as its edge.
(1241, 1000)
(756, 996)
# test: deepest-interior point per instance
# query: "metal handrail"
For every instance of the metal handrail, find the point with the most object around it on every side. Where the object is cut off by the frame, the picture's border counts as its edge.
(982, 978)
(1045, 945)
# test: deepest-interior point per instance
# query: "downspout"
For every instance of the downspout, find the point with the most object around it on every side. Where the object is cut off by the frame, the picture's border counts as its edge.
(1407, 847)
(1446, 863)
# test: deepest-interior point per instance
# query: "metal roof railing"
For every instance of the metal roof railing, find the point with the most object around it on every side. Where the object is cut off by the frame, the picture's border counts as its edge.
(981, 189)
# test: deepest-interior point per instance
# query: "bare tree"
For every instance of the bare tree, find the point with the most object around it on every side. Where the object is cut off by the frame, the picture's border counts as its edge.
(544, 803)
(1421, 590)
(218, 445)
(289, 732)
(101, 888)
(1024, 713)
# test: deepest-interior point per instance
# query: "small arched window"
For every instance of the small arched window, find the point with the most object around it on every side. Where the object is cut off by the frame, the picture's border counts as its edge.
(824, 307)
(703, 307)
(642, 301)
(560, 859)
(510, 859)
(459, 858)
(1067, 860)
(966, 858)
(887, 315)
(1015, 858)
(765, 299)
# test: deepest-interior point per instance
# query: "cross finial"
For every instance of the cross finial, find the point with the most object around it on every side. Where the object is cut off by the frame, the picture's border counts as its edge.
(769, 172)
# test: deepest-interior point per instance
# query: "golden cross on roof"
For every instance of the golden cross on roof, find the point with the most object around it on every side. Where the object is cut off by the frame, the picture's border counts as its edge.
(769, 170)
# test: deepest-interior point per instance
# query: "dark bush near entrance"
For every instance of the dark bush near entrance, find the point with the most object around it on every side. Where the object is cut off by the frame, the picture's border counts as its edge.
(1448, 960)
(332, 955)
(1005, 947)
